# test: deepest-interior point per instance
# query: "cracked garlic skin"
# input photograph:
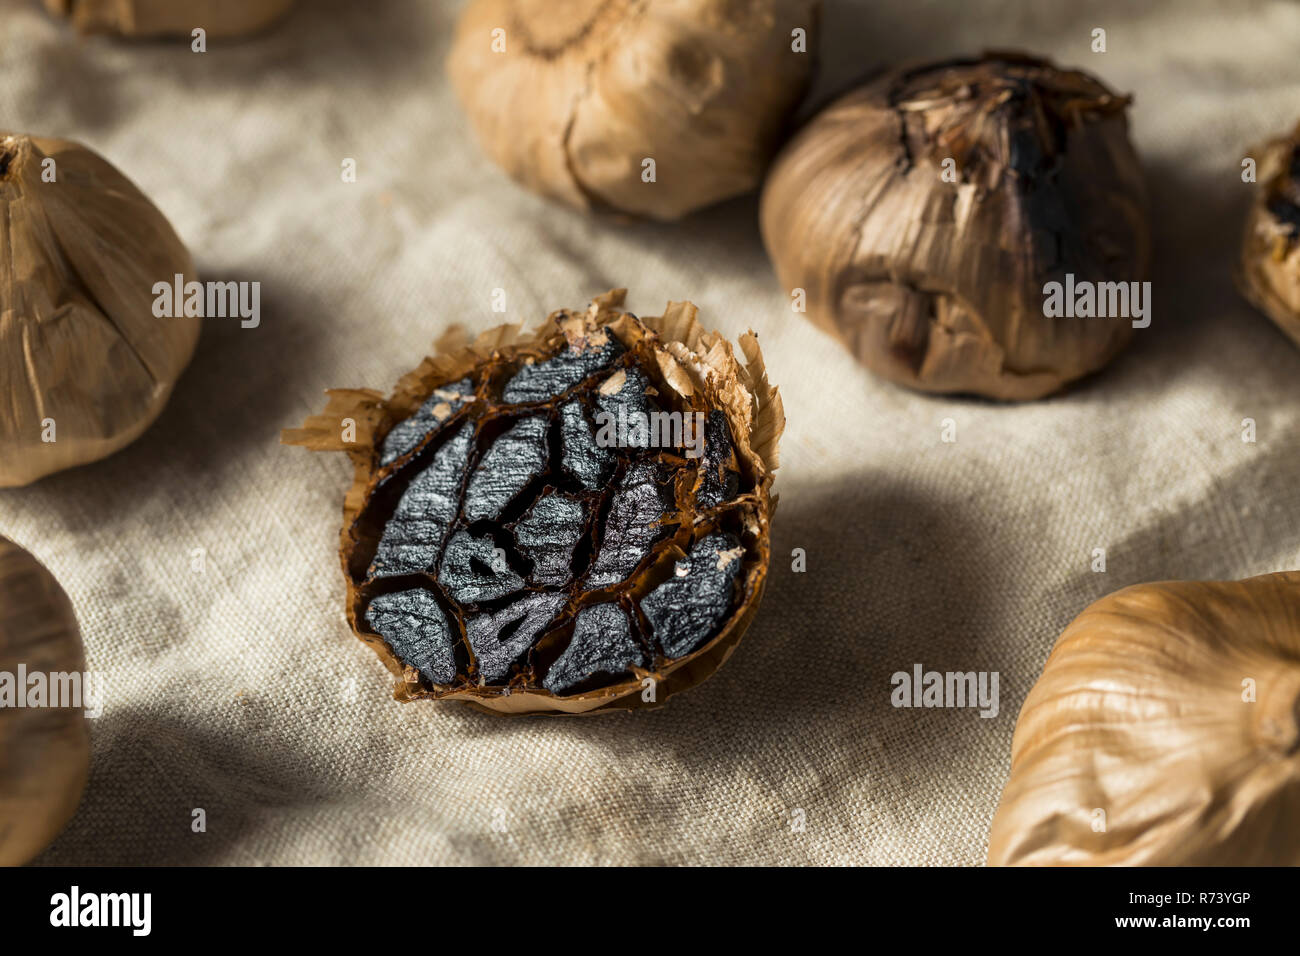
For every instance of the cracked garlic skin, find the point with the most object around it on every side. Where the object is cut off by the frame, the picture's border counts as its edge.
(585, 91)
(1268, 272)
(85, 363)
(514, 539)
(154, 18)
(45, 750)
(923, 213)
(1164, 730)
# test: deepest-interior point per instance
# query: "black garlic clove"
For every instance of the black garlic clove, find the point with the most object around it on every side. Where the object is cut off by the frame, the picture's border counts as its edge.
(641, 501)
(415, 627)
(513, 460)
(581, 457)
(474, 569)
(719, 477)
(602, 644)
(551, 377)
(414, 534)
(623, 410)
(499, 638)
(548, 534)
(685, 609)
(441, 405)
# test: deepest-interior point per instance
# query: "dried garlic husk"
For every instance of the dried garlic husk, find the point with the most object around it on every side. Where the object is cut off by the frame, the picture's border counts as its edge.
(1268, 273)
(86, 364)
(499, 551)
(574, 99)
(1165, 730)
(152, 18)
(44, 751)
(924, 213)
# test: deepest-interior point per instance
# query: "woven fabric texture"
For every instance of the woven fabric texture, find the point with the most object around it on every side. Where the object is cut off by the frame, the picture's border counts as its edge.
(240, 689)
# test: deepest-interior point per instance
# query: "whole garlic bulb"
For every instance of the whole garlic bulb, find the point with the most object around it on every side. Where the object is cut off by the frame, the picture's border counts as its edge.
(44, 751)
(1165, 730)
(1268, 272)
(574, 99)
(923, 214)
(149, 18)
(86, 364)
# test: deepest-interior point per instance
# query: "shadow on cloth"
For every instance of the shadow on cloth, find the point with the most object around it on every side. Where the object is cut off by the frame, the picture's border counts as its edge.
(803, 706)
(148, 776)
(366, 45)
(372, 45)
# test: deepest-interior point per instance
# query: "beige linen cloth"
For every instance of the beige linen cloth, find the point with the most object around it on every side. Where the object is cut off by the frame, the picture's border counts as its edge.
(240, 690)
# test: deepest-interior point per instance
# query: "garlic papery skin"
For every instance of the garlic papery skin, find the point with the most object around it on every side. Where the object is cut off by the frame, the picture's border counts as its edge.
(44, 750)
(647, 109)
(1164, 730)
(1268, 271)
(156, 18)
(920, 218)
(86, 365)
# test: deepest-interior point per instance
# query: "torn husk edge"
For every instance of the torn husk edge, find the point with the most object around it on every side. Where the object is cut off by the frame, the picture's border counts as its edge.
(691, 359)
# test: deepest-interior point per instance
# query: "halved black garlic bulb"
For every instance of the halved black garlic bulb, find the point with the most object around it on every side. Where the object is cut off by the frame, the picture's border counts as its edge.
(566, 521)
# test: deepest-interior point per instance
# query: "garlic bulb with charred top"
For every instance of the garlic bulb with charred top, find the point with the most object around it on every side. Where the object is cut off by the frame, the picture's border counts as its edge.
(926, 214)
